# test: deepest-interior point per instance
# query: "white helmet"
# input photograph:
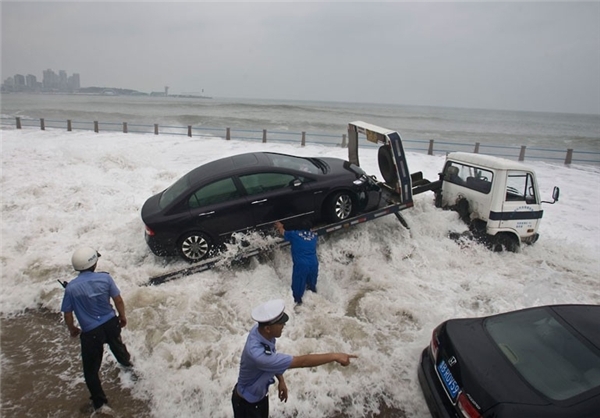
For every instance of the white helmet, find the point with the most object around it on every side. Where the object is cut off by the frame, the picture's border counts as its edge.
(84, 258)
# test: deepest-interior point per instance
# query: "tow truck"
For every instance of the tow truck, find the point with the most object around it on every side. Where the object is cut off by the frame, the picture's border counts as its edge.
(497, 198)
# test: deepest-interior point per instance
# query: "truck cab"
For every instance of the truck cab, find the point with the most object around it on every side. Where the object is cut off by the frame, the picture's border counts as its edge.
(499, 199)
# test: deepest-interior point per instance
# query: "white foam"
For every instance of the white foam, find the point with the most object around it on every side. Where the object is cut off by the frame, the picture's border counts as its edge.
(381, 290)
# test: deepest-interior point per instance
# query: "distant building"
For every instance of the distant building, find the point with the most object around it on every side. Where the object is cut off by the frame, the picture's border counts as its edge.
(51, 82)
(19, 82)
(74, 83)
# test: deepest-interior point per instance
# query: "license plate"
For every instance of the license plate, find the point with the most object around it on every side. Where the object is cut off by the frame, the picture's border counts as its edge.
(451, 385)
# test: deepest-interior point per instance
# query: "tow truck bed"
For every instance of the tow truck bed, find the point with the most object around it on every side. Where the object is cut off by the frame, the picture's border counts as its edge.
(390, 203)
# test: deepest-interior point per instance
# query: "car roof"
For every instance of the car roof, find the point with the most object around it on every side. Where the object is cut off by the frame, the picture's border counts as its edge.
(229, 165)
(584, 318)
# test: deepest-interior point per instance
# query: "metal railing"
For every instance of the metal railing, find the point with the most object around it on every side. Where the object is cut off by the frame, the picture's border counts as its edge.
(431, 147)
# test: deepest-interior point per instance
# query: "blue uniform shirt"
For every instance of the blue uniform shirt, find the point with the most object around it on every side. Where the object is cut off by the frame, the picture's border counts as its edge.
(89, 296)
(304, 246)
(259, 365)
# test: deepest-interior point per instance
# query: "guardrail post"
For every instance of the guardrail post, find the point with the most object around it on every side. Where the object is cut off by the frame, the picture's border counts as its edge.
(430, 150)
(264, 136)
(69, 127)
(42, 124)
(190, 131)
(125, 127)
(522, 153)
(344, 141)
(303, 143)
(228, 134)
(156, 129)
(569, 157)
(476, 150)
(18, 123)
(96, 129)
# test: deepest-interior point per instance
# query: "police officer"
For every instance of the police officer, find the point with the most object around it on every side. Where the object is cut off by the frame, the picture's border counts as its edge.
(261, 363)
(88, 295)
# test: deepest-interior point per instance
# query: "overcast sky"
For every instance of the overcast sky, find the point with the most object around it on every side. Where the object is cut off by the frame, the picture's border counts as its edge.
(510, 55)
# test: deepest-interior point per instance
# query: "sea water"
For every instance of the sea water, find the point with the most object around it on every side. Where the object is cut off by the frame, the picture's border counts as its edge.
(382, 287)
(500, 132)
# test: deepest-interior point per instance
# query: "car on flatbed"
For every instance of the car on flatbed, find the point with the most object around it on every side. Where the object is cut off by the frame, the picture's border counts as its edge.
(535, 362)
(251, 191)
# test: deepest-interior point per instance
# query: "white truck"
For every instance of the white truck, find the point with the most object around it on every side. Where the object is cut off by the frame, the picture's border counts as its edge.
(499, 199)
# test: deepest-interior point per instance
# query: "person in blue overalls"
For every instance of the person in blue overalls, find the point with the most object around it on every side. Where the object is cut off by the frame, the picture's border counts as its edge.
(261, 363)
(304, 255)
(88, 295)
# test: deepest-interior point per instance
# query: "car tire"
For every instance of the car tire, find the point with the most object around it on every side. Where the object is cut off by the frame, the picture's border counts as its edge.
(194, 246)
(339, 207)
(386, 165)
(504, 242)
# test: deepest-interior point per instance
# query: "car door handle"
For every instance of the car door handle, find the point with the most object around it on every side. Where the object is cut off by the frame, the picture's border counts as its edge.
(259, 201)
(206, 213)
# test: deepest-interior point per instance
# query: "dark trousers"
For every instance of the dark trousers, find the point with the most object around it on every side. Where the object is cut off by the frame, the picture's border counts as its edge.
(92, 349)
(244, 409)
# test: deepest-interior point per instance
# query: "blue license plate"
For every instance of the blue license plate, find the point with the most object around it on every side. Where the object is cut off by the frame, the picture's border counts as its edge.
(451, 385)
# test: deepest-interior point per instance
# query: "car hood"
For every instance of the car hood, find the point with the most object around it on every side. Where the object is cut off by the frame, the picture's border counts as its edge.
(483, 370)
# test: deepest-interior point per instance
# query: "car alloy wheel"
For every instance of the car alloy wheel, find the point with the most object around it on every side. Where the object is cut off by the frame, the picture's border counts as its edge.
(194, 246)
(340, 207)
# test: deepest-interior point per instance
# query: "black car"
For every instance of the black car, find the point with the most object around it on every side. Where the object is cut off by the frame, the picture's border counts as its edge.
(201, 210)
(537, 362)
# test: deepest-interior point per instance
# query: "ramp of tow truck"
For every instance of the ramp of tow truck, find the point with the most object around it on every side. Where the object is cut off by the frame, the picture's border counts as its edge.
(218, 261)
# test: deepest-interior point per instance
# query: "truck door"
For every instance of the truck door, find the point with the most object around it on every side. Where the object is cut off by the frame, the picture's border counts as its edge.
(521, 210)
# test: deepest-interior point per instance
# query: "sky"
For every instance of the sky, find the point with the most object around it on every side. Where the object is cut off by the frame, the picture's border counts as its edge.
(540, 56)
(381, 289)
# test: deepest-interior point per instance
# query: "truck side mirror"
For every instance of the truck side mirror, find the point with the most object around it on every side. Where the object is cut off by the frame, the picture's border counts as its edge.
(555, 194)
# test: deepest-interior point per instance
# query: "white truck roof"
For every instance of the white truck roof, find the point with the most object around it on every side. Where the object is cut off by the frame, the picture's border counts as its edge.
(490, 161)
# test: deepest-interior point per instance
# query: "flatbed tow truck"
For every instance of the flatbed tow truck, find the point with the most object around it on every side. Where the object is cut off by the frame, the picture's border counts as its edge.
(498, 199)
(397, 195)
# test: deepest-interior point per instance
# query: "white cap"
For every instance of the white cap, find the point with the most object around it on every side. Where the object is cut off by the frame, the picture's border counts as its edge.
(271, 312)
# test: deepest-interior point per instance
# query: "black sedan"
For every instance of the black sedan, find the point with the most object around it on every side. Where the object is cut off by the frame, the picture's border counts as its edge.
(251, 191)
(536, 362)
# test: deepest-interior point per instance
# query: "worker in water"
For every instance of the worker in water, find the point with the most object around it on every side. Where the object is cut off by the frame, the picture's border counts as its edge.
(304, 256)
(261, 363)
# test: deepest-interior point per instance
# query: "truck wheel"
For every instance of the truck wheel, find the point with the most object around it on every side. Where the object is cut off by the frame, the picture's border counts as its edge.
(194, 246)
(338, 207)
(504, 242)
(386, 165)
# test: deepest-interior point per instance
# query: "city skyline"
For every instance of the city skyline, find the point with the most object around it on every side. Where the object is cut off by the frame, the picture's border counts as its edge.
(51, 81)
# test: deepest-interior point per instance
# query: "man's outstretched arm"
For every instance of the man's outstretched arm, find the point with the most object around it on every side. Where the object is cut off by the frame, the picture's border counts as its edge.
(313, 360)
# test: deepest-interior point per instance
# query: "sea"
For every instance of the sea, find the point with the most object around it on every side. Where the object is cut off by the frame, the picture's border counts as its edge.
(382, 287)
(546, 136)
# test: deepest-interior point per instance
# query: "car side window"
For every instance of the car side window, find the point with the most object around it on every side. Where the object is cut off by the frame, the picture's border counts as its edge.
(217, 192)
(265, 182)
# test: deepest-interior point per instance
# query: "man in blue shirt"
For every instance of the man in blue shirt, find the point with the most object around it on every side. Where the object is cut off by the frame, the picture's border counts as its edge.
(261, 363)
(88, 295)
(304, 255)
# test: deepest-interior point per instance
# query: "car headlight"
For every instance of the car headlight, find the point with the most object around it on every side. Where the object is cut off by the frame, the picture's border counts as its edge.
(360, 181)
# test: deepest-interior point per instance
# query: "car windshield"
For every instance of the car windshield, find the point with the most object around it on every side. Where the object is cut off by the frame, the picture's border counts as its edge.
(308, 165)
(174, 191)
(546, 353)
